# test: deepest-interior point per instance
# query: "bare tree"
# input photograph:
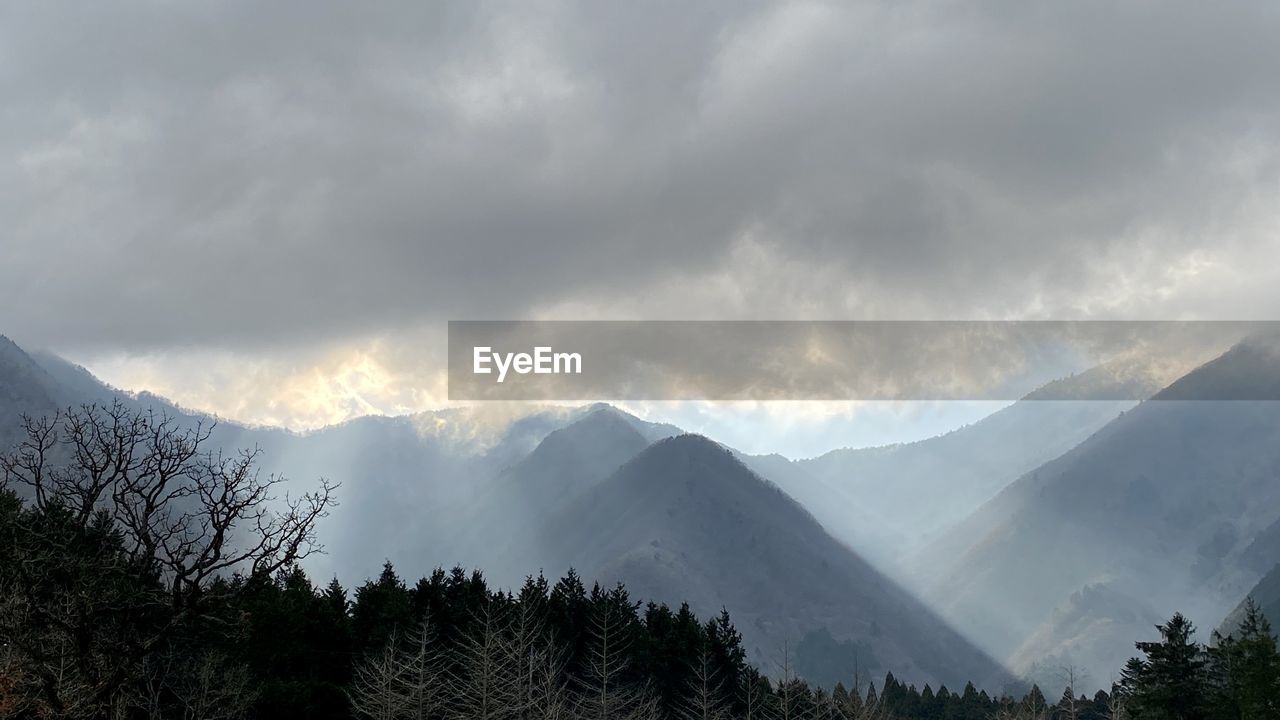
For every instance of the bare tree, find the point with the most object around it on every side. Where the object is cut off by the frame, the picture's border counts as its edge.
(15, 684)
(487, 686)
(788, 687)
(378, 690)
(403, 680)
(754, 694)
(129, 520)
(422, 672)
(1115, 708)
(211, 687)
(539, 666)
(547, 696)
(704, 695)
(1069, 706)
(606, 693)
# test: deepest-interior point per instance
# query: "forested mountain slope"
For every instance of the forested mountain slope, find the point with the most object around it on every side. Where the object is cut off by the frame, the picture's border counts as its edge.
(1156, 512)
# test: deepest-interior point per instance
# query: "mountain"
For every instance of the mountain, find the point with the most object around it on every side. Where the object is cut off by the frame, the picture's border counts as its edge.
(397, 475)
(499, 525)
(1154, 513)
(686, 520)
(1267, 596)
(676, 518)
(25, 388)
(890, 501)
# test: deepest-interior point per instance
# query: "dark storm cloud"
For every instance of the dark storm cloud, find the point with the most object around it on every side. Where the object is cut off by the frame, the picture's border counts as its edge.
(245, 174)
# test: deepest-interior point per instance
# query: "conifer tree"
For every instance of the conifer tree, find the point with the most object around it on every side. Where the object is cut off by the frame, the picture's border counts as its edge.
(1244, 671)
(1170, 684)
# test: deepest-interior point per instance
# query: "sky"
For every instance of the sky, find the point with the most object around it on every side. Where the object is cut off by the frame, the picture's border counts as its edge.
(270, 211)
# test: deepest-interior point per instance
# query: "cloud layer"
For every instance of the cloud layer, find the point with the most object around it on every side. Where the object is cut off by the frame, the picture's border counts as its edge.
(292, 181)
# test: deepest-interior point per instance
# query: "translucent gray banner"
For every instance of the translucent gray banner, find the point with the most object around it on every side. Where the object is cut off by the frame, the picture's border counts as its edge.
(836, 360)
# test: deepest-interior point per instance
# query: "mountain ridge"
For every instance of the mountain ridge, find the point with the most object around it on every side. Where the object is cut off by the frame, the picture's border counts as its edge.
(686, 513)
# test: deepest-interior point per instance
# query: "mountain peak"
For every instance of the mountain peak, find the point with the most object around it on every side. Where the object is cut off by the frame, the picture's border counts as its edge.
(697, 461)
(9, 348)
(693, 446)
(600, 422)
(582, 452)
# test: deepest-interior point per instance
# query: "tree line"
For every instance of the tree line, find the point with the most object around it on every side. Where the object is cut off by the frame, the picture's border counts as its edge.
(144, 575)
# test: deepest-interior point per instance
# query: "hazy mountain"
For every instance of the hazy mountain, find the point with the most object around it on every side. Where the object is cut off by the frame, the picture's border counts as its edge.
(1266, 594)
(401, 472)
(1160, 508)
(503, 520)
(1086, 531)
(836, 504)
(889, 501)
(686, 520)
(25, 388)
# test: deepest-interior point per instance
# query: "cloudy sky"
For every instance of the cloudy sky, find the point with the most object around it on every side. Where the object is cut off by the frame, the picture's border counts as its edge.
(270, 211)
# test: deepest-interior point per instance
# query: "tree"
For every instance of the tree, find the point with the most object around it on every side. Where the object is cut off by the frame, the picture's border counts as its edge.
(704, 697)
(1244, 672)
(754, 691)
(1170, 684)
(539, 662)
(1070, 705)
(378, 687)
(117, 527)
(790, 704)
(487, 684)
(609, 690)
(211, 687)
(422, 672)
(404, 680)
(382, 609)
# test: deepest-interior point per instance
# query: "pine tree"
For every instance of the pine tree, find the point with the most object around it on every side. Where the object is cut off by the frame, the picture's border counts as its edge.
(1244, 672)
(381, 609)
(1171, 683)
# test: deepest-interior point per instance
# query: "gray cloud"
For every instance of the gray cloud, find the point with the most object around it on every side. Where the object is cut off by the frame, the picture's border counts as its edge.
(251, 177)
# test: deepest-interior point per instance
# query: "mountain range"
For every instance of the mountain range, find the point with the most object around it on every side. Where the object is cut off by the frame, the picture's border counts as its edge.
(1051, 533)
(891, 501)
(1158, 511)
(676, 517)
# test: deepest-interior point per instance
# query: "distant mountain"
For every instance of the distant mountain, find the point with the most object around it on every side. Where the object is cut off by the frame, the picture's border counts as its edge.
(1267, 596)
(396, 473)
(500, 525)
(1155, 513)
(25, 388)
(679, 519)
(686, 520)
(890, 501)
